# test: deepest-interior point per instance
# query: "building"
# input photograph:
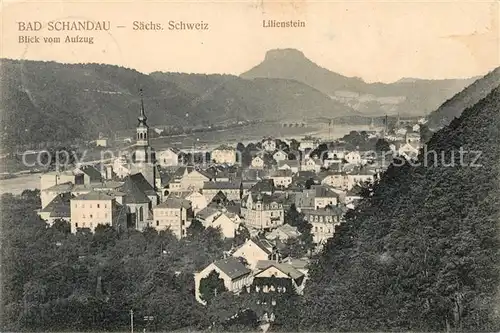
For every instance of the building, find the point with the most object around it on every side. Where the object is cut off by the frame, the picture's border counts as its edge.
(308, 142)
(323, 222)
(224, 154)
(168, 157)
(59, 208)
(353, 157)
(254, 250)
(257, 163)
(138, 203)
(143, 156)
(102, 142)
(189, 178)
(235, 275)
(52, 178)
(174, 214)
(283, 232)
(262, 211)
(293, 165)
(311, 164)
(232, 190)
(282, 178)
(94, 208)
(279, 270)
(318, 196)
(227, 225)
(280, 156)
(269, 144)
(121, 166)
(48, 194)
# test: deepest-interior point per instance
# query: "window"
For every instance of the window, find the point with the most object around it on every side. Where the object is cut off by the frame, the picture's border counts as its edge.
(90, 206)
(98, 206)
(106, 215)
(83, 216)
(76, 225)
(90, 215)
(105, 206)
(157, 223)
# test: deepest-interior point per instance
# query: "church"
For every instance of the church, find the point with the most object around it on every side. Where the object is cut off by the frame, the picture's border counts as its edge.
(87, 197)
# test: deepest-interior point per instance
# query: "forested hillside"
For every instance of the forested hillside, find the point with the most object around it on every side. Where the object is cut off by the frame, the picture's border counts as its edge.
(49, 101)
(422, 252)
(453, 107)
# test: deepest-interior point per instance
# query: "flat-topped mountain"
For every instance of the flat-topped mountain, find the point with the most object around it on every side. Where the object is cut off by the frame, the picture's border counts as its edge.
(406, 96)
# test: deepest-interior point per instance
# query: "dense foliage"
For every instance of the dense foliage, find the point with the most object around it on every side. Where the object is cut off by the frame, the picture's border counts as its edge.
(472, 94)
(420, 252)
(54, 280)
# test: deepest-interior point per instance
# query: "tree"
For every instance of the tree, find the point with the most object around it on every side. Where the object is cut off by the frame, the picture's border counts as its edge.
(62, 226)
(382, 146)
(425, 133)
(211, 286)
(195, 229)
(241, 236)
(309, 183)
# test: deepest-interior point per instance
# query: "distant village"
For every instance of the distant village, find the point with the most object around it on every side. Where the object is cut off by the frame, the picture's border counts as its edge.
(252, 188)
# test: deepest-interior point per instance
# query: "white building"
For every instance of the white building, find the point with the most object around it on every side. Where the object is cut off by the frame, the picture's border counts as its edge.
(234, 274)
(224, 155)
(168, 157)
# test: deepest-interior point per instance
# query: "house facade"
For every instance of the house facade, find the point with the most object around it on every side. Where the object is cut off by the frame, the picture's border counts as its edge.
(174, 214)
(234, 274)
(261, 211)
(224, 155)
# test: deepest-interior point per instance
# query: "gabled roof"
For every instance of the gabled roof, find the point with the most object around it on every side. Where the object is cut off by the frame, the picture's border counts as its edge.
(95, 195)
(224, 147)
(221, 185)
(63, 187)
(282, 173)
(232, 267)
(264, 185)
(143, 184)
(93, 173)
(175, 203)
(286, 269)
(322, 191)
(263, 244)
(207, 212)
(134, 195)
(59, 206)
(290, 163)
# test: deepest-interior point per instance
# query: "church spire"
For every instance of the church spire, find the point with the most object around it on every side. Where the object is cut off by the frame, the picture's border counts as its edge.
(142, 116)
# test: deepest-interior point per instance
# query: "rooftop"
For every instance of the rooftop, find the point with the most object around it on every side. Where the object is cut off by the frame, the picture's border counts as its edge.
(95, 195)
(232, 267)
(175, 203)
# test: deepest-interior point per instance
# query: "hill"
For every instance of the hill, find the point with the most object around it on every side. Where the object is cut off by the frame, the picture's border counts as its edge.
(272, 99)
(406, 96)
(421, 253)
(453, 107)
(49, 101)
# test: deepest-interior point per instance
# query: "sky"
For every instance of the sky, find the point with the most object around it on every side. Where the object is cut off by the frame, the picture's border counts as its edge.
(377, 41)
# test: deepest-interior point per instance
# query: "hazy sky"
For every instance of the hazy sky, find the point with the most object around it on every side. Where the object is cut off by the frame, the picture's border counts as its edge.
(378, 41)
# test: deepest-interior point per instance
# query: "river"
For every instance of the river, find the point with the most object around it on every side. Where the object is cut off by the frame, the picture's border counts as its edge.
(20, 183)
(210, 140)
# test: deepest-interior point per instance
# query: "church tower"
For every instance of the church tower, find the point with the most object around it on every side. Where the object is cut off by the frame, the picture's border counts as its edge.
(144, 157)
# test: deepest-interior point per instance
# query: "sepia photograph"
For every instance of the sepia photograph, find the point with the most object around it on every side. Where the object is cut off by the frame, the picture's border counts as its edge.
(249, 166)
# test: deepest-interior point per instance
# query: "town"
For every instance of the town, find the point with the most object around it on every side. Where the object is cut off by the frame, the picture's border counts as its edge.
(282, 198)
